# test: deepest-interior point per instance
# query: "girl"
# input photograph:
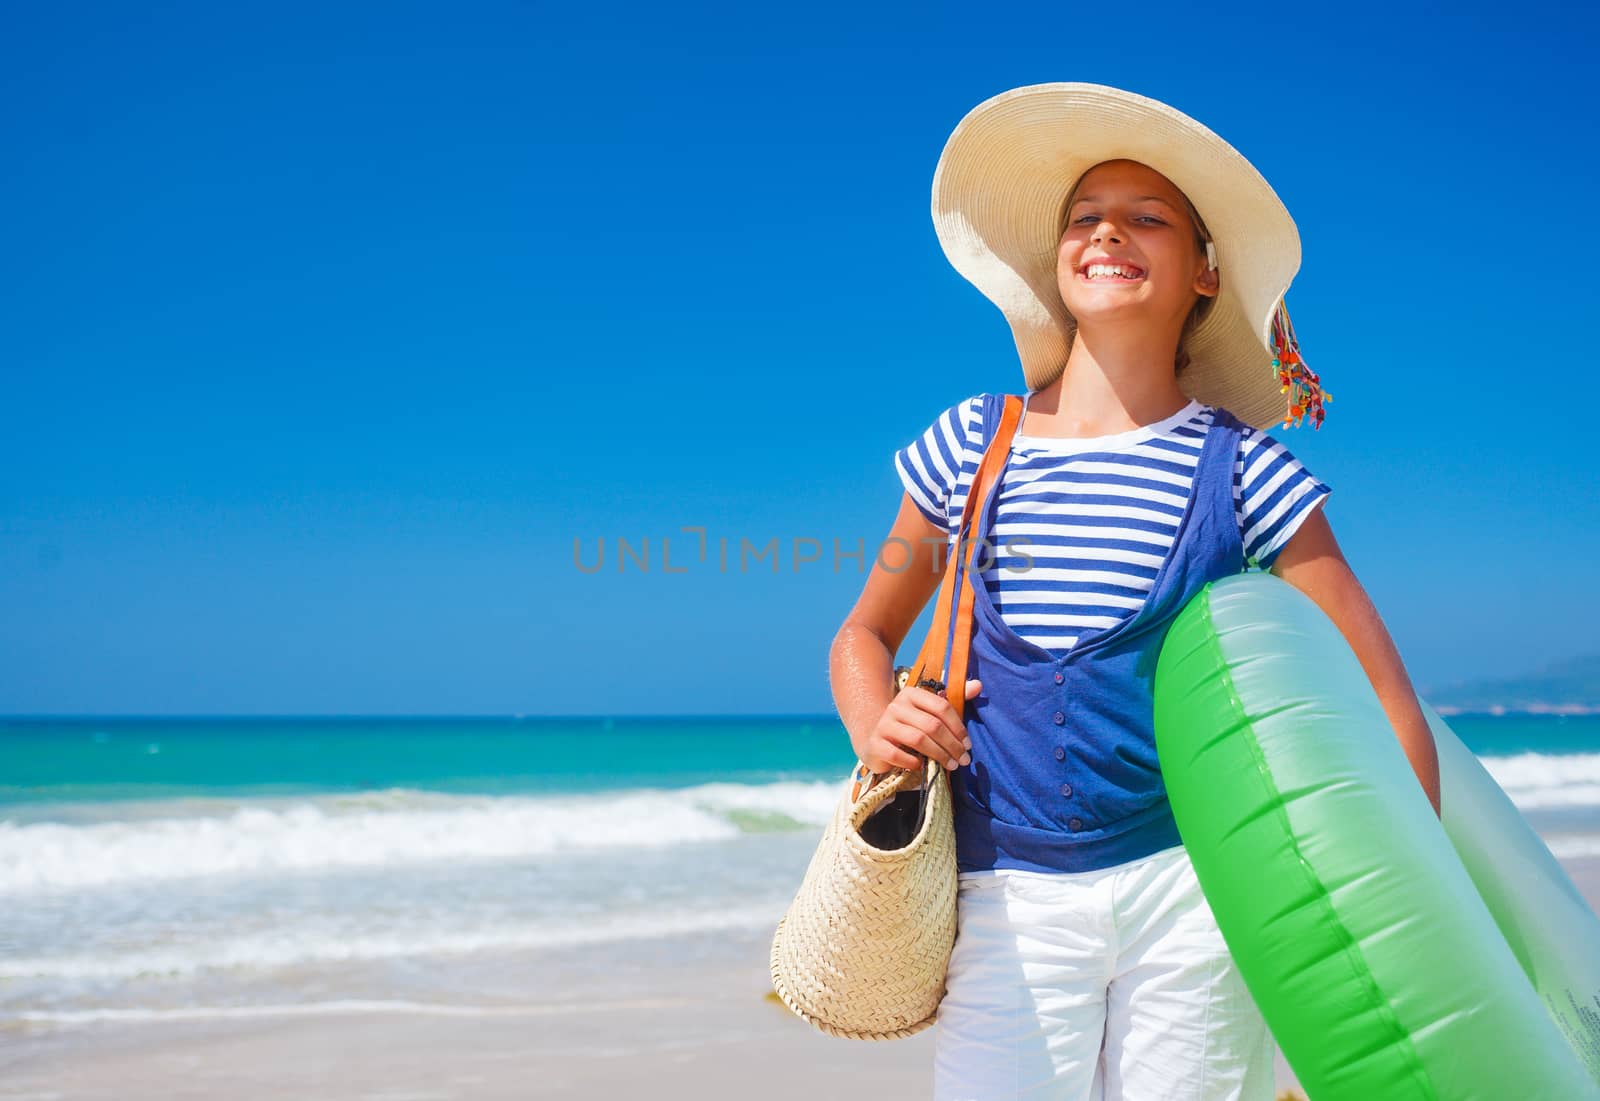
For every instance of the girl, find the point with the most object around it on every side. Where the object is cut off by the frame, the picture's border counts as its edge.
(1087, 964)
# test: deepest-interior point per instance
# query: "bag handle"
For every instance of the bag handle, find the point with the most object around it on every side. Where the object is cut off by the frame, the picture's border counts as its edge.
(951, 679)
(957, 573)
(926, 671)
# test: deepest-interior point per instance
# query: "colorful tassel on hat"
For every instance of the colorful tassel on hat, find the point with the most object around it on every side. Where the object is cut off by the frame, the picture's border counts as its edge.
(1295, 377)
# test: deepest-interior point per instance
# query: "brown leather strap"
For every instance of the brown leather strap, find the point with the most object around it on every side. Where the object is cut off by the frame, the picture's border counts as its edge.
(929, 663)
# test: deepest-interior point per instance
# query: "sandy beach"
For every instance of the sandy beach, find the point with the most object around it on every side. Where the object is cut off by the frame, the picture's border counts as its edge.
(687, 1017)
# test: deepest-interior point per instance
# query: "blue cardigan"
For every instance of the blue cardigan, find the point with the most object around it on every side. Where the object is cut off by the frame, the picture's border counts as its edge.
(1063, 774)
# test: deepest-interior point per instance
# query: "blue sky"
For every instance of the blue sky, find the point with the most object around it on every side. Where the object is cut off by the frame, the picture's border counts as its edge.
(328, 329)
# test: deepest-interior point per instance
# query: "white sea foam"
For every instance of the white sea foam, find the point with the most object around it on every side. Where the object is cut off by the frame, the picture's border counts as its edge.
(306, 944)
(1568, 848)
(261, 838)
(394, 828)
(138, 1014)
(1541, 780)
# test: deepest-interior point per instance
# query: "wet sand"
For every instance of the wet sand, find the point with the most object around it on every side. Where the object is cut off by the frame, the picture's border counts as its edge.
(668, 1022)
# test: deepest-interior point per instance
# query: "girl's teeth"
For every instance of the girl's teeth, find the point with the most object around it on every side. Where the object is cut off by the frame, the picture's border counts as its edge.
(1100, 271)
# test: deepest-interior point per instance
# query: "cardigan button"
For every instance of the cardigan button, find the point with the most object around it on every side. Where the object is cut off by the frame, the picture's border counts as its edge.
(1066, 790)
(1059, 718)
(1060, 678)
(1061, 755)
(1075, 823)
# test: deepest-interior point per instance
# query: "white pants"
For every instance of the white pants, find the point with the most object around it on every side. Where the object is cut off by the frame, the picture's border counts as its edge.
(1110, 985)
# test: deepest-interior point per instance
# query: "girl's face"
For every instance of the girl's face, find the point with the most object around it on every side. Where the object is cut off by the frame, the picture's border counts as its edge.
(1128, 212)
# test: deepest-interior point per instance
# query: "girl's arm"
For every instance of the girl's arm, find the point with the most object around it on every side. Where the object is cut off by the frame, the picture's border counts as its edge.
(1312, 562)
(885, 725)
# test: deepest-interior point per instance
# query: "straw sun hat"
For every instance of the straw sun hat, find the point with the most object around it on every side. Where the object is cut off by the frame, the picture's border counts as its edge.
(998, 191)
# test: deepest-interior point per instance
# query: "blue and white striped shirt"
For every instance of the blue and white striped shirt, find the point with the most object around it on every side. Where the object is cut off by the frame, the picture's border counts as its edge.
(1094, 518)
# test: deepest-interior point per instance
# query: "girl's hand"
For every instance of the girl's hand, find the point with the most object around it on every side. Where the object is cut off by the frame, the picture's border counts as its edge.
(918, 721)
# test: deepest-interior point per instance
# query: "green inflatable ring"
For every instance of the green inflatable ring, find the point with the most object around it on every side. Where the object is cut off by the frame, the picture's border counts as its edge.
(1393, 956)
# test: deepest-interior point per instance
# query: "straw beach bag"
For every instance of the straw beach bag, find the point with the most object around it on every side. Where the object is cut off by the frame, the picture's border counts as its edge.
(863, 949)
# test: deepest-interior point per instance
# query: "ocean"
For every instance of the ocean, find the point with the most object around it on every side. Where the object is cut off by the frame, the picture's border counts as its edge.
(186, 868)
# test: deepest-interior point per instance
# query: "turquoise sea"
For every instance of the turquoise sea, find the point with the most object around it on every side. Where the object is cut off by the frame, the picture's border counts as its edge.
(159, 867)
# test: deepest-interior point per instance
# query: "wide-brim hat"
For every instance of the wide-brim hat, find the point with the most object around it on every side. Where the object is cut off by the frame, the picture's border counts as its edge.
(998, 190)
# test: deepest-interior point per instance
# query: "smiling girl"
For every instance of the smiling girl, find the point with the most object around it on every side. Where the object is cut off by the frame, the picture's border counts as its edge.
(1087, 963)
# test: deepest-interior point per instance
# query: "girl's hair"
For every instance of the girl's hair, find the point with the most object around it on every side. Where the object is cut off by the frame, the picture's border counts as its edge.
(1203, 303)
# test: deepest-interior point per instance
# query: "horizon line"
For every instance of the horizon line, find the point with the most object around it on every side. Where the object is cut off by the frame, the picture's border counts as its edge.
(1491, 711)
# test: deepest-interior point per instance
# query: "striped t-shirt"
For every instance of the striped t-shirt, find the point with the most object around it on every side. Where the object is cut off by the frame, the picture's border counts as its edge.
(1094, 518)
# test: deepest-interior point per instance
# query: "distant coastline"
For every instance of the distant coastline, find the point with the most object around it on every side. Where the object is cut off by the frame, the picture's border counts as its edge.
(1515, 710)
(1571, 687)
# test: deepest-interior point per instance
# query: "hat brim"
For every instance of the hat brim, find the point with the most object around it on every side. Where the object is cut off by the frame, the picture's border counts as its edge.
(997, 194)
